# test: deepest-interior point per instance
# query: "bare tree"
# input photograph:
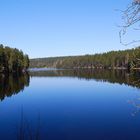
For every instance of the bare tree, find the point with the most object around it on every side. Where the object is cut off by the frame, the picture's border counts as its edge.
(131, 18)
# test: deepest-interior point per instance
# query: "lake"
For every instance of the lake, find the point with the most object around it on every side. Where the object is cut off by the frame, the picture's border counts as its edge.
(70, 105)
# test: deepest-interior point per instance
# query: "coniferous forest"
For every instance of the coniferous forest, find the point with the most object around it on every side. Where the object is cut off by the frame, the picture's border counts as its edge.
(126, 59)
(12, 60)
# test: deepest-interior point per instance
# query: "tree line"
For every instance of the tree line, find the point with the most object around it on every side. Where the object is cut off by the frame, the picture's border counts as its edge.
(126, 59)
(12, 60)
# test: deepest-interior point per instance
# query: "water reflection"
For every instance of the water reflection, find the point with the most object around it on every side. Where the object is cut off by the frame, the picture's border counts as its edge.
(12, 84)
(135, 102)
(112, 76)
(59, 106)
(25, 130)
(130, 78)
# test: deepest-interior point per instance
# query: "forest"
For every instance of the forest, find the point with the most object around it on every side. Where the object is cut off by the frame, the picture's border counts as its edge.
(12, 60)
(126, 59)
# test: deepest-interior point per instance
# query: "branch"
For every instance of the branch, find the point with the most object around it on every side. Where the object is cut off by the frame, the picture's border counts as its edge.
(131, 16)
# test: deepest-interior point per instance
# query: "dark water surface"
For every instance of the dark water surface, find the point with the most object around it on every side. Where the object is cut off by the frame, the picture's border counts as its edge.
(70, 105)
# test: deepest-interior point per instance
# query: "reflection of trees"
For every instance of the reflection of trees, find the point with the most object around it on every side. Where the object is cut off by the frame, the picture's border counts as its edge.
(136, 104)
(112, 76)
(25, 131)
(12, 84)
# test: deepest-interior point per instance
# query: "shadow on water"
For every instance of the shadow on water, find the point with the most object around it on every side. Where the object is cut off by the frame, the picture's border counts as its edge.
(12, 84)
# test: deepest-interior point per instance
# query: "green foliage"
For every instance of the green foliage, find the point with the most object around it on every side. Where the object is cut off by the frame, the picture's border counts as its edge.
(127, 59)
(12, 60)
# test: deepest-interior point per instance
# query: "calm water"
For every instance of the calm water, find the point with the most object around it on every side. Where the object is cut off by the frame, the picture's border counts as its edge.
(70, 105)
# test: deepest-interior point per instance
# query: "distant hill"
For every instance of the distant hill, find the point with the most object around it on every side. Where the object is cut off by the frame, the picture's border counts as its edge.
(126, 59)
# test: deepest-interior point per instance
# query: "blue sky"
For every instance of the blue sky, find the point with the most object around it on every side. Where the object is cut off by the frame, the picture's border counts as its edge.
(44, 28)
